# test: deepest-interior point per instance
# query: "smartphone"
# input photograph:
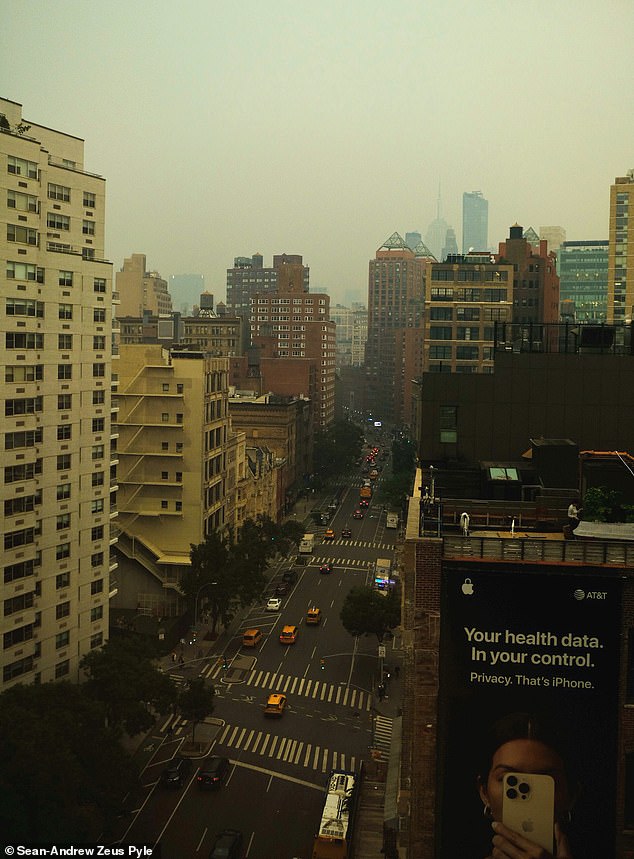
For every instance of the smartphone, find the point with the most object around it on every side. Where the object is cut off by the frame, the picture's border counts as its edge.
(528, 807)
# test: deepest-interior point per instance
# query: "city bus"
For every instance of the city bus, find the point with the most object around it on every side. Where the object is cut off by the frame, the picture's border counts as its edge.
(336, 829)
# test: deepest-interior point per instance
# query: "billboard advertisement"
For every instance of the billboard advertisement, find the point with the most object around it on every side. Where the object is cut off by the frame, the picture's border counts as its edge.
(528, 705)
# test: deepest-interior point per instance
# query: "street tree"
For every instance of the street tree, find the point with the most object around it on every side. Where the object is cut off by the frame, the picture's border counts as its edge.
(124, 679)
(196, 702)
(366, 612)
(64, 771)
(337, 448)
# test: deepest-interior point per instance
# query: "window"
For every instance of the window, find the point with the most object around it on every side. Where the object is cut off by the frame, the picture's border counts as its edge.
(24, 307)
(65, 311)
(63, 491)
(62, 669)
(163, 505)
(65, 341)
(22, 537)
(64, 371)
(64, 432)
(64, 402)
(98, 397)
(24, 471)
(22, 504)
(62, 639)
(24, 271)
(99, 343)
(96, 533)
(97, 451)
(96, 640)
(62, 610)
(98, 424)
(97, 478)
(89, 200)
(28, 373)
(96, 613)
(440, 352)
(21, 202)
(20, 167)
(96, 587)
(19, 603)
(468, 332)
(88, 228)
(99, 314)
(165, 417)
(62, 551)
(99, 284)
(63, 521)
(23, 438)
(164, 475)
(24, 340)
(17, 668)
(440, 332)
(88, 253)
(438, 313)
(58, 192)
(63, 461)
(96, 560)
(62, 580)
(448, 424)
(179, 506)
(97, 505)
(467, 353)
(26, 406)
(55, 221)
(98, 371)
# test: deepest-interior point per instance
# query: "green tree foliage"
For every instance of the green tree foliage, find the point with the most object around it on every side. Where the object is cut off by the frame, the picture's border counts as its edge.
(196, 702)
(392, 491)
(403, 456)
(366, 612)
(601, 504)
(337, 449)
(63, 771)
(124, 679)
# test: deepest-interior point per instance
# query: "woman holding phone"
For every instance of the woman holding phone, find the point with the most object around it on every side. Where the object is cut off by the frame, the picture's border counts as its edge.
(520, 745)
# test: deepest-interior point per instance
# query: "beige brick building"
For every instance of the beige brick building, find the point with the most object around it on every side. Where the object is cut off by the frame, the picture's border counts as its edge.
(621, 251)
(57, 468)
(140, 290)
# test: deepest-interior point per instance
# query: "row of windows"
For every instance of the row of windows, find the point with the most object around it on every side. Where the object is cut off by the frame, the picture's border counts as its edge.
(22, 504)
(469, 275)
(26, 271)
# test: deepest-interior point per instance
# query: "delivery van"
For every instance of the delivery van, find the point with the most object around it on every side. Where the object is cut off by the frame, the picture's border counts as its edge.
(392, 520)
(307, 544)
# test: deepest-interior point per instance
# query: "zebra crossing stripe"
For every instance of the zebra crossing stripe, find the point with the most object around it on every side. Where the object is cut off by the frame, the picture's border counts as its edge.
(267, 737)
(235, 731)
(316, 758)
(324, 765)
(272, 749)
(299, 752)
(308, 685)
(280, 753)
(248, 742)
(244, 730)
(323, 691)
(286, 685)
(290, 751)
(307, 756)
(295, 681)
(257, 740)
(301, 685)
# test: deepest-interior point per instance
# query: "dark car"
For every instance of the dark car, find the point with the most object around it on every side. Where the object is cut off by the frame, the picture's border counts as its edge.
(282, 589)
(213, 773)
(326, 568)
(176, 772)
(228, 845)
(346, 532)
(290, 576)
(358, 514)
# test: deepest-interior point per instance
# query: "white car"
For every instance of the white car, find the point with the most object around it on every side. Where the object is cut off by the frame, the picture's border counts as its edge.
(274, 604)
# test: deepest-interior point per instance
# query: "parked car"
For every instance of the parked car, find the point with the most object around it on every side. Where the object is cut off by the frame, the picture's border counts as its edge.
(228, 845)
(176, 772)
(274, 604)
(213, 773)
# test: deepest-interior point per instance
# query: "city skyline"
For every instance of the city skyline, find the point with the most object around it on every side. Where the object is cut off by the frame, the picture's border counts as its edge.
(273, 130)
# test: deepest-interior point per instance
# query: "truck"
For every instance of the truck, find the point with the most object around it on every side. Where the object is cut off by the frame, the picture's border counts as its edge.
(365, 492)
(307, 544)
(391, 520)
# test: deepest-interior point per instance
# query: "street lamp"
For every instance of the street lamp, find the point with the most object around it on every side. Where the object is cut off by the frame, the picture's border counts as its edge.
(198, 592)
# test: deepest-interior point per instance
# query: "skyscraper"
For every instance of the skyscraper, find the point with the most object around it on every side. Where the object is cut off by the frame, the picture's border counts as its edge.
(59, 474)
(621, 250)
(475, 222)
(583, 280)
(249, 276)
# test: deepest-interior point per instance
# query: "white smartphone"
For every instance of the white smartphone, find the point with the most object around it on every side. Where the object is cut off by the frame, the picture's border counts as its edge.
(528, 807)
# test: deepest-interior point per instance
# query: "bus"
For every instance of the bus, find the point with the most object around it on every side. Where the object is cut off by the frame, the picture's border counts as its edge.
(336, 829)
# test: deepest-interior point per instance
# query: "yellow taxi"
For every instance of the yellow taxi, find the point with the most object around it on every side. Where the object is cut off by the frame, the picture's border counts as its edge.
(275, 704)
(313, 615)
(329, 535)
(288, 635)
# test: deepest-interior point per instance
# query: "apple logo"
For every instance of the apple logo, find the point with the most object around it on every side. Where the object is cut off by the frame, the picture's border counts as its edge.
(467, 587)
(527, 825)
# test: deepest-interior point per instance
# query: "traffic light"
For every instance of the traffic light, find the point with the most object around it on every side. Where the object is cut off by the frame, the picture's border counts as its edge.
(322, 664)
(224, 664)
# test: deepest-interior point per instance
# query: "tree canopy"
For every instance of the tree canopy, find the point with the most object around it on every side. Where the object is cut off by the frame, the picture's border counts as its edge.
(123, 678)
(366, 612)
(196, 702)
(337, 448)
(64, 771)
(601, 504)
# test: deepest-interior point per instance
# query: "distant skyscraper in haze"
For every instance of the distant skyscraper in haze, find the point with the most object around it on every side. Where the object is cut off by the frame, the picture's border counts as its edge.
(555, 236)
(451, 244)
(621, 250)
(412, 239)
(475, 222)
(436, 235)
(185, 290)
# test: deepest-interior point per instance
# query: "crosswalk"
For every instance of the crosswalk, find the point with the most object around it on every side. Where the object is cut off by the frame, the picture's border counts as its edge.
(289, 684)
(382, 739)
(360, 544)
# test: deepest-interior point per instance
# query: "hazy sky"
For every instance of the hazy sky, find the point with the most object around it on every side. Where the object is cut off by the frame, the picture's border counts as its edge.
(229, 128)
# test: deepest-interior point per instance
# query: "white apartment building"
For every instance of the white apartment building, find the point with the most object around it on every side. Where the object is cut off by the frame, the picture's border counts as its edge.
(58, 475)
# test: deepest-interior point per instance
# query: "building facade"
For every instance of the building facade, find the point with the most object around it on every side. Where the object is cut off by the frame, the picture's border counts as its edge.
(396, 290)
(621, 251)
(475, 222)
(351, 334)
(58, 501)
(583, 281)
(249, 276)
(140, 290)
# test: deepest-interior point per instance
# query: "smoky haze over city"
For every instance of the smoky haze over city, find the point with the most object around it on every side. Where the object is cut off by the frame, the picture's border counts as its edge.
(320, 129)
